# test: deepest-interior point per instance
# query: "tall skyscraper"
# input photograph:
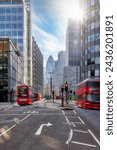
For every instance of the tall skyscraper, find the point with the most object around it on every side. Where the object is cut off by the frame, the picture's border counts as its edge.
(57, 76)
(37, 67)
(29, 40)
(90, 63)
(50, 66)
(73, 45)
(13, 25)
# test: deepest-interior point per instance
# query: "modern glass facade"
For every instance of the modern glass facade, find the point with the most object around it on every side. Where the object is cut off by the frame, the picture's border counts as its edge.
(12, 22)
(73, 46)
(90, 63)
(11, 68)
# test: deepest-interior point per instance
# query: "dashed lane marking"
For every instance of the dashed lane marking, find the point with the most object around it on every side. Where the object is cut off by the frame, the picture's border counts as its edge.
(85, 144)
(72, 123)
(74, 112)
(7, 130)
(80, 131)
(94, 137)
(81, 120)
(25, 117)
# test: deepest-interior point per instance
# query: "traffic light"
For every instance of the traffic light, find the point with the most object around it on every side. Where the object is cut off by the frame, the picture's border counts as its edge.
(66, 87)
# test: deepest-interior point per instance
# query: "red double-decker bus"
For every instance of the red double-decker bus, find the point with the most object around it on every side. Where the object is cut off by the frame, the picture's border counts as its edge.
(37, 96)
(88, 94)
(25, 95)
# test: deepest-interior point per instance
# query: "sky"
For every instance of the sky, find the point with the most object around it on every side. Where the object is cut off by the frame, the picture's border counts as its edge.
(49, 24)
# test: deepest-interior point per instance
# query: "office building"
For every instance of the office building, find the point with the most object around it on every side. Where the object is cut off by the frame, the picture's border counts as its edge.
(57, 75)
(11, 69)
(13, 25)
(37, 67)
(73, 44)
(90, 43)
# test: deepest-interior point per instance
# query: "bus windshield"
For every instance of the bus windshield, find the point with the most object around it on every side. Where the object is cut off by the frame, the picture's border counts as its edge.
(93, 98)
(93, 84)
(23, 92)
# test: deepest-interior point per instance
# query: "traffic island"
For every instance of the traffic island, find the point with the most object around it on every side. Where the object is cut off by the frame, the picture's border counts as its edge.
(66, 107)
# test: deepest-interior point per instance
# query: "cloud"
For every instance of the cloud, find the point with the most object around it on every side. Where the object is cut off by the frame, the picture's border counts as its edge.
(48, 43)
(49, 23)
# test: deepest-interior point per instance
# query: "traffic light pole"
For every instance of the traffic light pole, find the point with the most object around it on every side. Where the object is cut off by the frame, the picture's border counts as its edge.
(62, 100)
(62, 90)
(66, 90)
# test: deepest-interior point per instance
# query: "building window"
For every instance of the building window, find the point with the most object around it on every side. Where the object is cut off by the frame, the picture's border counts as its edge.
(14, 10)
(8, 10)
(8, 33)
(97, 36)
(20, 10)
(2, 18)
(97, 48)
(97, 60)
(8, 26)
(89, 73)
(14, 26)
(97, 73)
(14, 18)
(92, 73)
(2, 33)
(2, 10)
(8, 18)
(2, 26)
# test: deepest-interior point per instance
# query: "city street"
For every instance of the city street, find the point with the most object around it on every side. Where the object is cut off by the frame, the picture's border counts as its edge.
(45, 126)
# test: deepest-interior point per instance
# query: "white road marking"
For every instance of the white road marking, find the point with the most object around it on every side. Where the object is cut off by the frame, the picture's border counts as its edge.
(94, 137)
(74, 112)
(73, 124)
(12, 114)
(78, 122)
(25, 117)
(85, 144)
(70, 136)
(66, 117)
(41, 127)
(7, 130)
(67, 120)
(81, 131)
(81, 120)
(63, 112)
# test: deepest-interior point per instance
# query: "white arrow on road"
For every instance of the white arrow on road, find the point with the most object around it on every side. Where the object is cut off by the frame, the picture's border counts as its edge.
(41, 127)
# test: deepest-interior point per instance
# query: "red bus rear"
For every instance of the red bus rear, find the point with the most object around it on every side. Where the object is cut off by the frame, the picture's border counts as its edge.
(88, 94)
(37, 96)
(25, 95)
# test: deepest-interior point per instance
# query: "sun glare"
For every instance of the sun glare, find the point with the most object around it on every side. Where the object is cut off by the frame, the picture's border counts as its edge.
(70, 9)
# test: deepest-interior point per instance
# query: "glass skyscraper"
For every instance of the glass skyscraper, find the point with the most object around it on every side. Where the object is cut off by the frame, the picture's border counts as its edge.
(90, 63)
(73, 46)
(12, 23)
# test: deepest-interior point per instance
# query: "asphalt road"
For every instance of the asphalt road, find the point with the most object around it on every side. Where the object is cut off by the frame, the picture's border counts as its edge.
(44, 126)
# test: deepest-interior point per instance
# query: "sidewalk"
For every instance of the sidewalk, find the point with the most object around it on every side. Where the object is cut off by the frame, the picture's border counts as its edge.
(6, 105)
